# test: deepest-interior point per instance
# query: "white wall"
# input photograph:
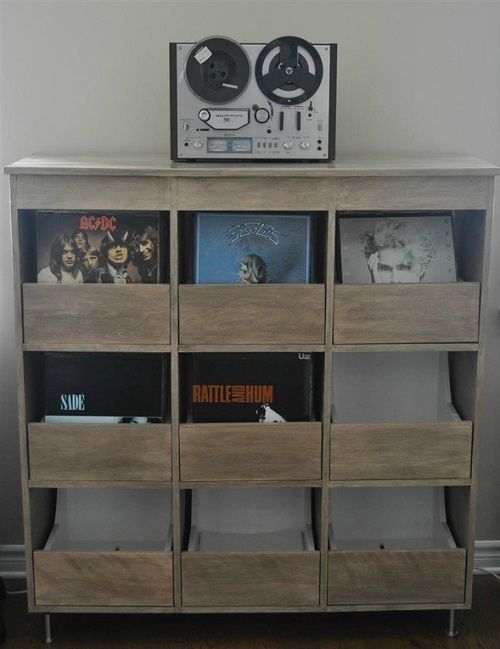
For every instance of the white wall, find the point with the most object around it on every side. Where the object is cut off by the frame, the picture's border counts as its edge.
(92, 77)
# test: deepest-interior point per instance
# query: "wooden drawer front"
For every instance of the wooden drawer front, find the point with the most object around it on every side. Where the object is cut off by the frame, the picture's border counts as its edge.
(290, 451)
(103, 578)
(396, 577)
(395, 451)
(58, 192)
(100, 452)
(285, 313)
(246, 579)
(406, 313)
(99, 313)
(413, 193)
(254, 194)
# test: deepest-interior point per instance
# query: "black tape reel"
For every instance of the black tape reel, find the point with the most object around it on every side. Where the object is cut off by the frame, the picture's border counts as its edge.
(217, 70)
(289, 70)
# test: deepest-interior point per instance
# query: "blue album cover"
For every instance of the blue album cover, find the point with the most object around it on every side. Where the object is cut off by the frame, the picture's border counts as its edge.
(237, 248)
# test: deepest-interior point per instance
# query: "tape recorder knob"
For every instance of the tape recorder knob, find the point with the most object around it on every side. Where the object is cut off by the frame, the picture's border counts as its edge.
(204, 115)
(305, 145)
(197, 144)
(287, 144)
(262, 115)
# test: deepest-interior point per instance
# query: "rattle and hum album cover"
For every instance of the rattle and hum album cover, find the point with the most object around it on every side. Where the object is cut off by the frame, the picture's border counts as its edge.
(257, 248)
(390, 247)
(257, 387)
(75, 247)
(105, 385)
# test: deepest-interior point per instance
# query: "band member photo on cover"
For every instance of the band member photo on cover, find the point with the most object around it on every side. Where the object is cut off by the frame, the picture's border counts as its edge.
(84, 247)
(397, 249)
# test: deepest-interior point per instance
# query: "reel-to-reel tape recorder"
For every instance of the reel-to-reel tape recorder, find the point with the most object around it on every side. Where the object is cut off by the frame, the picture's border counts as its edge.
(253, 101)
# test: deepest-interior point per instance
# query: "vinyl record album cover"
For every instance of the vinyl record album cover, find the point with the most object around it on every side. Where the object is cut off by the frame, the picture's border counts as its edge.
(395, 248)
(106, 385)
(101, 247)
(233, 248)
(258, 387)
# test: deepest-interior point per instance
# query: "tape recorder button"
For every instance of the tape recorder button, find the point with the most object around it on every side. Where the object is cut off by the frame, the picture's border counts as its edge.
(204, 115)
(262, 115)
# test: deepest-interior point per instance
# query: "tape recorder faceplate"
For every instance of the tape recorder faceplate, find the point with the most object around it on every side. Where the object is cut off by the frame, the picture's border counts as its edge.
(253, 101)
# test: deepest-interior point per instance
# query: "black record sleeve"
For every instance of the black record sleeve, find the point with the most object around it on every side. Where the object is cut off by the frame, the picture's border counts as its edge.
(114, 385)
(263, 387)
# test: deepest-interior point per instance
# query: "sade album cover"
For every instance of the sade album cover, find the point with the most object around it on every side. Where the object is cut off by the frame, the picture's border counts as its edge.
(129, 386)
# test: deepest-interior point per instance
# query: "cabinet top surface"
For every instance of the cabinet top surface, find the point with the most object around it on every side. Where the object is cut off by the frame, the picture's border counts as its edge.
(161, 165)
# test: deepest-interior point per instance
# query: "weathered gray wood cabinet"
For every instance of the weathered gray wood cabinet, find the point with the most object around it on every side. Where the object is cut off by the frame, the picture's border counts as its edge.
(327, 319)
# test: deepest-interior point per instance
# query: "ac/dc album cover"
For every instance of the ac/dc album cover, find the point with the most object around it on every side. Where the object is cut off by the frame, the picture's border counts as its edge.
(103, 247)
(233, 248)
(258, 387)
(128, 386)
(391, 247)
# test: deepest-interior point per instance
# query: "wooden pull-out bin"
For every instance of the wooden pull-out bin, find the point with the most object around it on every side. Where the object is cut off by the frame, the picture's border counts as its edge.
(406, 313)
(398, 451)
(99, 314)
(396, 577)
(250, 579)
(247, 451)
(86, 452)
(263, 313)
(103, 578)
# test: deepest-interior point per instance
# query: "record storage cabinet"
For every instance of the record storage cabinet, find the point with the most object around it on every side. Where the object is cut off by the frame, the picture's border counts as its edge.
(327, 319)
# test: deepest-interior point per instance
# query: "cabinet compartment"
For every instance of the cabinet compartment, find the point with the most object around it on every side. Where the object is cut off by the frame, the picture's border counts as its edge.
(86, 452)
(290, 451)
(393, 546)
(250, 547)
(265, 313)
(100, 314)
(92, 315)
(107, 548)
(218, 306)
(398, 408)
(427, 308)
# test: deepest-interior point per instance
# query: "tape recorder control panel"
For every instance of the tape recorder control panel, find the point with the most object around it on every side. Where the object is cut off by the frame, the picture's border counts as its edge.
(253, 101)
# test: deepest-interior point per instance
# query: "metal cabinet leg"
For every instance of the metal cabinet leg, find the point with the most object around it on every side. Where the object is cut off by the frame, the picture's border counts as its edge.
(48, 634)
(452, 631)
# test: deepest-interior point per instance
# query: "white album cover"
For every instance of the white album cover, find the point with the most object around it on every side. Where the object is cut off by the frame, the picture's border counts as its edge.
(386, 249)
(90, 419)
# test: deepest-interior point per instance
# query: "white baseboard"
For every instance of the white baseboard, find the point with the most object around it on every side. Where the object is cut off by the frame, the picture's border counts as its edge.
(487, 557)
(13, 564)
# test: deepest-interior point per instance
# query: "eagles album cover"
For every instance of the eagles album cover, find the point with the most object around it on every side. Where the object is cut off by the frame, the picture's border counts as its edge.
(258, 387)
(232, 248)
(101, 247)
